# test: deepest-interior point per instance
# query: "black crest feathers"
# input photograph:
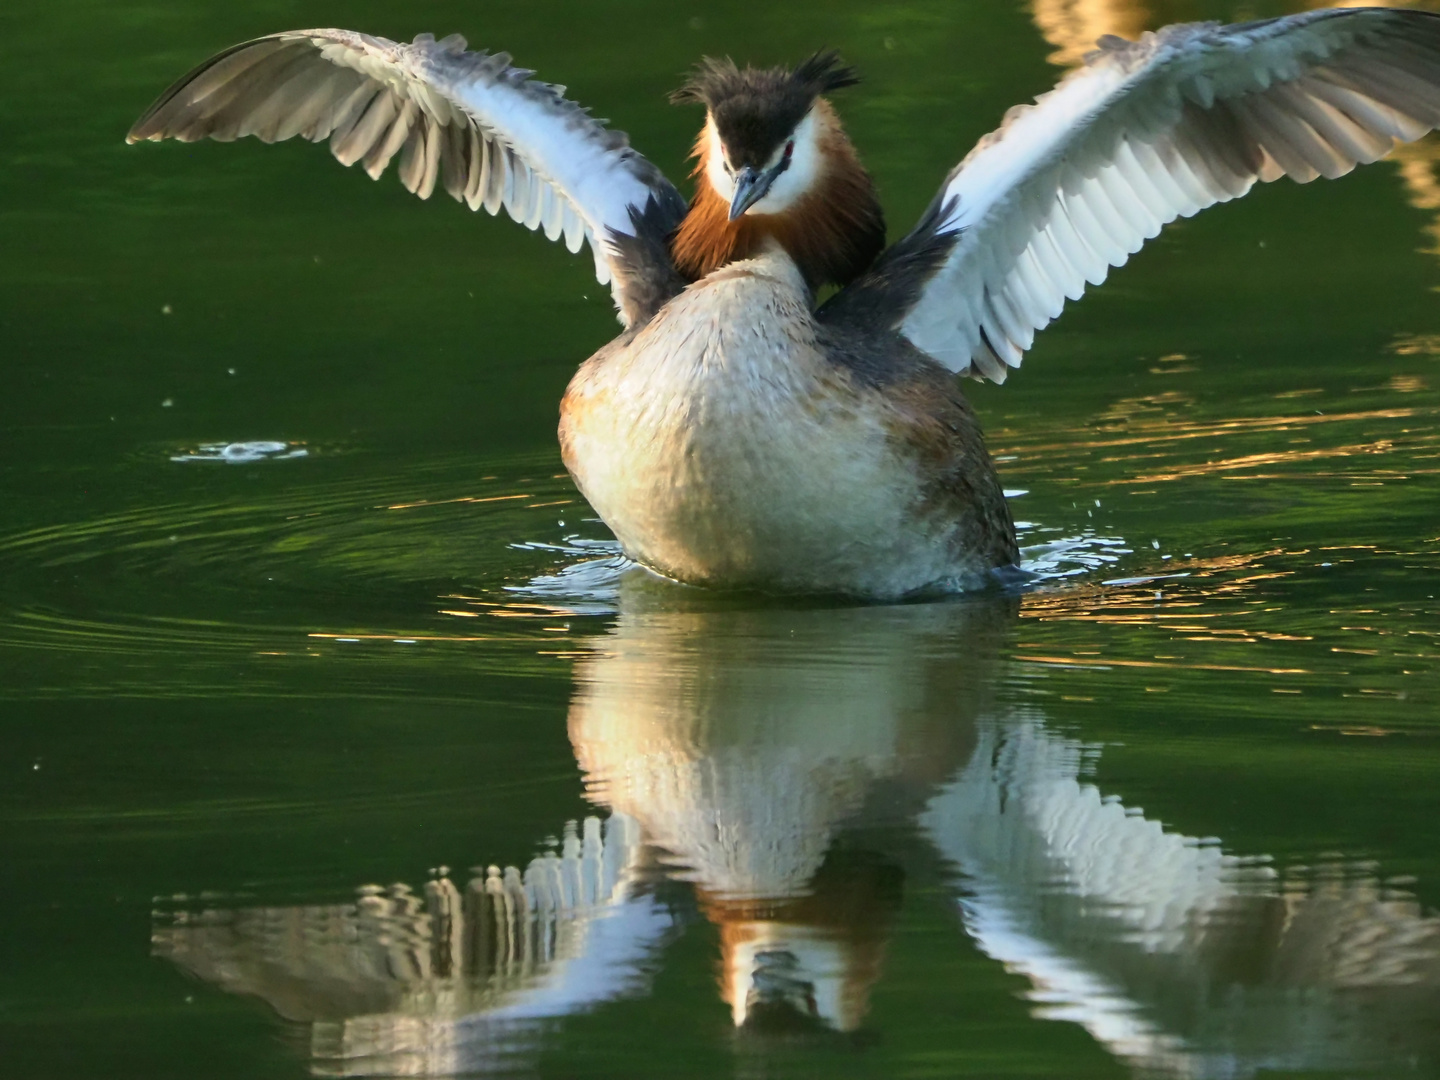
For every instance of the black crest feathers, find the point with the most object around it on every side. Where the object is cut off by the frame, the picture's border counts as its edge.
(755, 109)
(824, 72)
(714, 80)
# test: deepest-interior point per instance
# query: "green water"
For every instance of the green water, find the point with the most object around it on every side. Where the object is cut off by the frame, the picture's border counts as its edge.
(268, 725)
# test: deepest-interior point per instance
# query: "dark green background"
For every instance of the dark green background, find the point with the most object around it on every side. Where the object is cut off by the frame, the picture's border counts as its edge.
(166, 725)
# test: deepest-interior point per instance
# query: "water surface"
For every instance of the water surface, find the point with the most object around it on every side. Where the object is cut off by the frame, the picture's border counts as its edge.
(337, 743)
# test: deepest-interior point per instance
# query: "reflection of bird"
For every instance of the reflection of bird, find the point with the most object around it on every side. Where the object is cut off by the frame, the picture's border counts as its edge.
(777, 762)
(743, 743)
(739, 744)
(736, 435)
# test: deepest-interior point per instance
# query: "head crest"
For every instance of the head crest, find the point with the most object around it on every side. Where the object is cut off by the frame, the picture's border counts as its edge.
(717, 80)
(824, 72)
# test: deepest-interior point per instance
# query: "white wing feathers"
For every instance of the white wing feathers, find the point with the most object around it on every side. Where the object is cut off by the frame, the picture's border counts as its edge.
(468, 121)
(1150, 131)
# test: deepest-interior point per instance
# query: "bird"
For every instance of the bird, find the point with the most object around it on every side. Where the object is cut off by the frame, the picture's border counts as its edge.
(740, 433)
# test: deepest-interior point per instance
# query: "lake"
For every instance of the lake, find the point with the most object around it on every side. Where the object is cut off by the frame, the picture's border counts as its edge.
(339, 742)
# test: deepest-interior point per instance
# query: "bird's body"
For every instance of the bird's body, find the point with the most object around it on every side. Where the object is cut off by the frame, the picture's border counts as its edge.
(730, 441)
(736, 434)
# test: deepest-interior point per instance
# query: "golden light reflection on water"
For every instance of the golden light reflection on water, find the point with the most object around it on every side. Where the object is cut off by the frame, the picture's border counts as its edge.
(1167, 429)
(457, 499)
(1417, 345)
(1236, 615)
(1144, 442)
(1073, 26)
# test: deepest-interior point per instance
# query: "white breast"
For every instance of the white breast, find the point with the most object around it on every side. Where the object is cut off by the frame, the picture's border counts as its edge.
(723, 448)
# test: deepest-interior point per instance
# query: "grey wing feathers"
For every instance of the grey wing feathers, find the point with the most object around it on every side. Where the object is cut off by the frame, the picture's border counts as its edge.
(468, 122)
(1148, 131)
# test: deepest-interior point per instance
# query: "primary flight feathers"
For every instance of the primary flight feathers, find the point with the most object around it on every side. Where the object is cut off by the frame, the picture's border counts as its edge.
(486, 131)
(1067, 188)
(1153, 130)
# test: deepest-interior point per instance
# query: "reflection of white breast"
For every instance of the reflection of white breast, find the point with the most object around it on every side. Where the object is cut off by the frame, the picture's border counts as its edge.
(740, 763)
(743, 742)
(740, 741)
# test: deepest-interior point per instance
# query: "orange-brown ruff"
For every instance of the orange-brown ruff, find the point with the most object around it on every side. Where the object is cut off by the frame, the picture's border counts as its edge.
(833, 232)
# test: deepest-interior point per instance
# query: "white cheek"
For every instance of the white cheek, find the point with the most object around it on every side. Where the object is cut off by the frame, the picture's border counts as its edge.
(720, 180)
(795, 181)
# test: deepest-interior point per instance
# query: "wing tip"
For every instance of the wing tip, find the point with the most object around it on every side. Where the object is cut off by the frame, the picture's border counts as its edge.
(143, 129)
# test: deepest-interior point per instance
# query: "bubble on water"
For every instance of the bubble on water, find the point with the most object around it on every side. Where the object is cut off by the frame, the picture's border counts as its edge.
(243, 453)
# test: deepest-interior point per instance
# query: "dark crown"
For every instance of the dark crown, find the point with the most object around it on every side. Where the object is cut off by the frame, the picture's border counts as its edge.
(755, 109)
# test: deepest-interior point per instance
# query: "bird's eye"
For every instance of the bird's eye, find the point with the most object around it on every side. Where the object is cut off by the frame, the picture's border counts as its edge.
(789, 149)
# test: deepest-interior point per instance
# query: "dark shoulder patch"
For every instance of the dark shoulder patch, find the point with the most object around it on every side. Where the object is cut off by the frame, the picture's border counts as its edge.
(876, 356)
(885, 293)
(642, 264)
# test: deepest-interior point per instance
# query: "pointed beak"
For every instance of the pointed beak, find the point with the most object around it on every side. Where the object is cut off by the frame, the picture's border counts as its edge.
(750, 187)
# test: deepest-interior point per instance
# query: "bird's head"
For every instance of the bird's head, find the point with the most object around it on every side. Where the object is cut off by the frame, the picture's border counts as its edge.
(773, 160)
(765, 140)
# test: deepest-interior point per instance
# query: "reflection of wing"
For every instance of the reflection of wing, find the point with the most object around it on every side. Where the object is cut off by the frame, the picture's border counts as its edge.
(1147, 132)
(1175, 955)
(468, 121)
(400, 984)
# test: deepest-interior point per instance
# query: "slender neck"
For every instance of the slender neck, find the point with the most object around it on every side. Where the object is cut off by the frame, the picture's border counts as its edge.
(832, 232)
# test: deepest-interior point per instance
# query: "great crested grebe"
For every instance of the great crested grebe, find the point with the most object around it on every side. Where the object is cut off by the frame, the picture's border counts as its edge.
(736, 435)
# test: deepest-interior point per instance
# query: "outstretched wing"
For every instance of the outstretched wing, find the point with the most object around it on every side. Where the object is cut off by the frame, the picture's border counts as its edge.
(468, 121)
(1146, 132)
